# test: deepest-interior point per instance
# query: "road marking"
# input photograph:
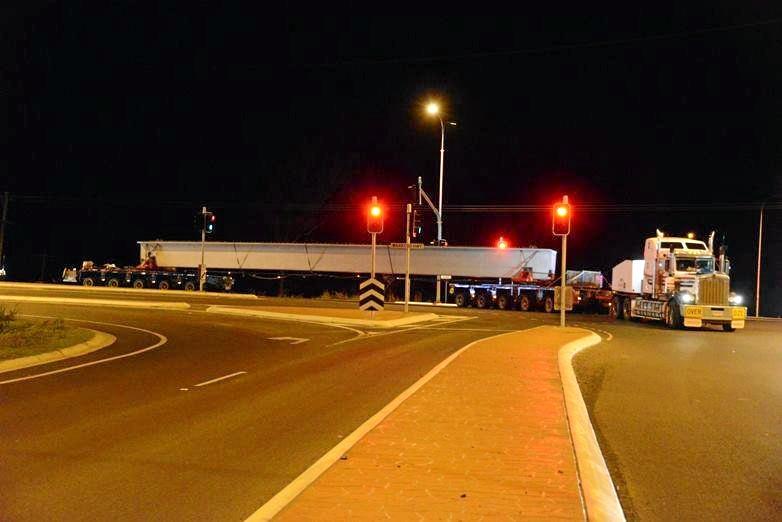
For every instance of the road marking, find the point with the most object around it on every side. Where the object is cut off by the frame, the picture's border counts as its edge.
(163, 340)
(401, 330)
(183, 389)
(300, 483)
(218, 379)
(294, 340)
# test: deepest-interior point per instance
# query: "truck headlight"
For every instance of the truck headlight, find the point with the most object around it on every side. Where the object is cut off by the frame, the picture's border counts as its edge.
(735, 299)
(686, 297)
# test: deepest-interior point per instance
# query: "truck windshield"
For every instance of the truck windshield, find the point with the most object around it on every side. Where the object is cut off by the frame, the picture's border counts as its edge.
(699, 265)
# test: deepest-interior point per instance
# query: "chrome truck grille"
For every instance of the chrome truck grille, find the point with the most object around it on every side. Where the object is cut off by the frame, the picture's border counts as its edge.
(714, 290)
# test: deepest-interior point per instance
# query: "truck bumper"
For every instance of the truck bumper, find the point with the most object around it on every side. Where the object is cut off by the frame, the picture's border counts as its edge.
(696, 316)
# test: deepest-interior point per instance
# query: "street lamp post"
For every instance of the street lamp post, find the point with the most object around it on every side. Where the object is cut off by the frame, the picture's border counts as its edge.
(433, 109)
(760, 250)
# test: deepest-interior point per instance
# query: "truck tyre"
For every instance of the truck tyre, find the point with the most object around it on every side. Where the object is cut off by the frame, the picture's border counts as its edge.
(481, 300)
(88, 281)
(615, 308)
(673, 318)
(138, 283)
(112, 283)
(163, 285)
(189, 286)
(627, 308)
(460, 299)
(503, 302)
(548, 304)
(525, 303)
(728, 328)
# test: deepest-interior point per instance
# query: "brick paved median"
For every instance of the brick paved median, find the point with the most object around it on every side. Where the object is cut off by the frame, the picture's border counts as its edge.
(485, 438)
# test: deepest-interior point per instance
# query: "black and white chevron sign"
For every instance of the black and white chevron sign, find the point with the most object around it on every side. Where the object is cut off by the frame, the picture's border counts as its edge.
(371, 295)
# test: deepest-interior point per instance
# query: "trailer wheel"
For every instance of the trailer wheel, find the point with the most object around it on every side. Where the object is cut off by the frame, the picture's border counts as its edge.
(727, 327)
(163, 285)
(548, 304)
(138, 283)
(525, 303)
(503, 302)
(112, 283)
(460, 299)
(481, 300)
(88, 281)
(189, 286)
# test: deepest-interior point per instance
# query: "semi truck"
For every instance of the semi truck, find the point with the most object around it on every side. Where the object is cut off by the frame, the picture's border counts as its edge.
(679, 281)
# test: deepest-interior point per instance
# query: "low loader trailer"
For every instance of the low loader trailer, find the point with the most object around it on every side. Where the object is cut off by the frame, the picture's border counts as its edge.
(679, 282)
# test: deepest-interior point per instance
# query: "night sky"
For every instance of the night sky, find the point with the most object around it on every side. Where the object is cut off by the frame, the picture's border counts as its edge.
(123, 118)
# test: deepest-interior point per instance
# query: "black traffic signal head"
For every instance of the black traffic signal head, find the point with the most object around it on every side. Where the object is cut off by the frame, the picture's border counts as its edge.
(560, 224)
(375, 217)
(209, 222)
(417, 228)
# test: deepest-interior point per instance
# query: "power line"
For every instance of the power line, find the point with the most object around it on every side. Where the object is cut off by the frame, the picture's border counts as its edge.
(547, 49)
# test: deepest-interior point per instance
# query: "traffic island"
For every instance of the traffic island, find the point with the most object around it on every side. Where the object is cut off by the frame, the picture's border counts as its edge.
(340, 316)
(25, 343)
(485, 435)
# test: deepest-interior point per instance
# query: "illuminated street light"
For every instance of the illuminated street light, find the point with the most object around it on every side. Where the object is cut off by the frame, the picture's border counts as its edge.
(433, 109)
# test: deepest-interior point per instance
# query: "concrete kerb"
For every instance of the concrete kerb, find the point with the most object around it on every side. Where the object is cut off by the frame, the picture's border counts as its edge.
(600, 499)
(136, 291)
(164, 305)
(266, 314)
(99, 340)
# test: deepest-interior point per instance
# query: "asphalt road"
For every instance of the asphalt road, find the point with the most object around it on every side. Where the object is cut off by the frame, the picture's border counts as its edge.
(689, 421)
(138, 438)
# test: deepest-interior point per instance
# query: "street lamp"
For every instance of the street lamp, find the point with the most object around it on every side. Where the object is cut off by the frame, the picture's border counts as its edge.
(433, 109)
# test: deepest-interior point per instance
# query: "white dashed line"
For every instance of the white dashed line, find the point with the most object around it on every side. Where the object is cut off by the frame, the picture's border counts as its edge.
(218, 379)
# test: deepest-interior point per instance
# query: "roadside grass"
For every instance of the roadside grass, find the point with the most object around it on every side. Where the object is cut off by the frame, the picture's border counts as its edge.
(23, 337)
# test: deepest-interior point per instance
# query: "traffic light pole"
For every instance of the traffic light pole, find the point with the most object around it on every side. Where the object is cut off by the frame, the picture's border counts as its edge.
(562, 299)
(6, 197)
(202, 268)
(407, 256)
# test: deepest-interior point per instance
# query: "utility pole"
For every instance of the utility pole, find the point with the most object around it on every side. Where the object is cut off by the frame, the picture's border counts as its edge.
(201, 267)
(760, 250)
(6, 197)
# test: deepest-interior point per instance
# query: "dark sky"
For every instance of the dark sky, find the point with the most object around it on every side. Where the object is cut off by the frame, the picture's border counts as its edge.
(123, 118)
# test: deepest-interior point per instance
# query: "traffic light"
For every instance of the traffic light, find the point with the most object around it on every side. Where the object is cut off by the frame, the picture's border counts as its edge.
(417, 228)
(374, 217)
(560, 225)
(502, 244)
(209, 222)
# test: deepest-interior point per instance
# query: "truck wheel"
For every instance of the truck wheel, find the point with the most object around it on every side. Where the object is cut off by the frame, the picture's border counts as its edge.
(481, 300)
(615, 308)
(673, 318)
(138, 283)
(163, 285)
(460, 299)
(627, 308)
(112, 283)
(548, 304)
(503, 302)
(525, 303)
(728, 328)
(88, 281)
(189, 286)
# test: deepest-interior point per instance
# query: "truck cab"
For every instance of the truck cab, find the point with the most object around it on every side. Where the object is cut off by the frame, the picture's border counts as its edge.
(682, 283)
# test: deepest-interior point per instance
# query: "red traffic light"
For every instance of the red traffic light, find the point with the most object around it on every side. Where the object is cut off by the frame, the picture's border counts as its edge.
(502, 244)
(375, 217)
(560, 221)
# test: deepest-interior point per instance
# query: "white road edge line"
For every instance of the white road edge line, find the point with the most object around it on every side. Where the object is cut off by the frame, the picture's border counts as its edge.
(600, 499)
(274, 505)
(163, 340)
(224, 377)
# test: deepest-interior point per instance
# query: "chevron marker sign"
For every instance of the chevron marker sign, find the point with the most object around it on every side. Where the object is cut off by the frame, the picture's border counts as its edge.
(371, 295)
